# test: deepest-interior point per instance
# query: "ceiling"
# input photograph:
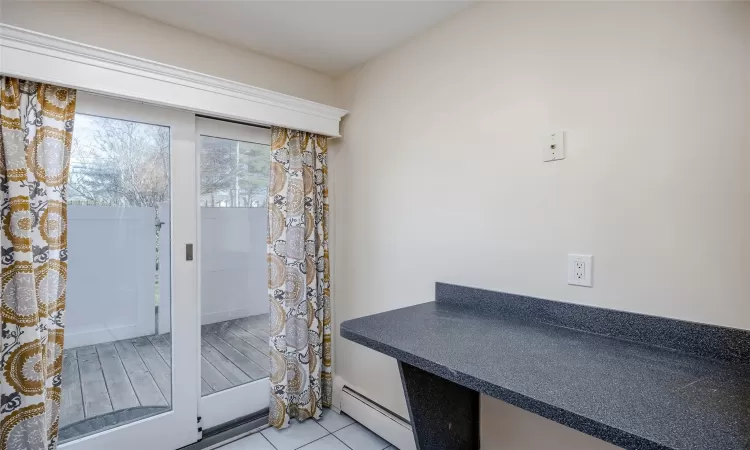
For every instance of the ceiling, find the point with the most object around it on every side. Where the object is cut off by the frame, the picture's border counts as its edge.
(327, 36)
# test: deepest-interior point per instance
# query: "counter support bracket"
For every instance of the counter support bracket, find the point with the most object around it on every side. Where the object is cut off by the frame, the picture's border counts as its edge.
(443, 414)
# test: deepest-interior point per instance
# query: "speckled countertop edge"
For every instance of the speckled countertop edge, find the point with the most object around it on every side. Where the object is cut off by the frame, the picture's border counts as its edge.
(706, 341)
(570, 419)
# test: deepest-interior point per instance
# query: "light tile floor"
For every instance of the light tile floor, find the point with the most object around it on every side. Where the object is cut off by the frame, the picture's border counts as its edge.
(332, 432)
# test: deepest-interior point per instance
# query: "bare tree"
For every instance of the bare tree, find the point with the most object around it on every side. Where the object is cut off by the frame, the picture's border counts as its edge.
(233, 171)
(121, 163)
(218, 165)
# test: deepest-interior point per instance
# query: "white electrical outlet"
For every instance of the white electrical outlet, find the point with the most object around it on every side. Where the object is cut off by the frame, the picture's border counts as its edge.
(580, 268)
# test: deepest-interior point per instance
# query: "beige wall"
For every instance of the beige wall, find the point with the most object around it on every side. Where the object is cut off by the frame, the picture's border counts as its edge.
(113, 29)
(439, 174)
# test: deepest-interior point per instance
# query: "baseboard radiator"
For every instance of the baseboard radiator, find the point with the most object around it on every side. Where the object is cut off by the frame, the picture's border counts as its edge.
(378, 419)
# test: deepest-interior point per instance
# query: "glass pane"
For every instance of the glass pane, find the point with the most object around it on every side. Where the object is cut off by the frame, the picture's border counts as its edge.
(234, 310)
(117, 343)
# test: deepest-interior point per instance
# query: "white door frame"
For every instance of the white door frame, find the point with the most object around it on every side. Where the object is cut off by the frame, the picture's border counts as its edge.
(221, 407)
(175, 428)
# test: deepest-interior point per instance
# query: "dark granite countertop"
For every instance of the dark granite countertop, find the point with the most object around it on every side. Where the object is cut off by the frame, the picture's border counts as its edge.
(628, 393)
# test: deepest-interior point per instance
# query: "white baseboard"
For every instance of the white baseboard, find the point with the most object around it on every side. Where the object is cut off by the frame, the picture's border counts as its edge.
(373, 416)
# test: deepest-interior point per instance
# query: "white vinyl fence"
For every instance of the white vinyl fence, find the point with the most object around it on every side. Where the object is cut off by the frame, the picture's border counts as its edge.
(111, 273)
(234, 271)
(112, 286)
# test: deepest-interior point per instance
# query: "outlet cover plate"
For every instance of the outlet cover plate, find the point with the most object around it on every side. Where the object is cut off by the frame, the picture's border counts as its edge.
(580, 269)
(554, 149)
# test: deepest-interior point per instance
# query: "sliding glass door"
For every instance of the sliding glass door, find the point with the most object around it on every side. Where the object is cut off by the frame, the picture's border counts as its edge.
(233, 190)
(130, 376)
(167, 304)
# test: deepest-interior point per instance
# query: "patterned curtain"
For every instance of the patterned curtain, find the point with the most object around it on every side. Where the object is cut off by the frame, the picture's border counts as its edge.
(36, 132)
(299, 277)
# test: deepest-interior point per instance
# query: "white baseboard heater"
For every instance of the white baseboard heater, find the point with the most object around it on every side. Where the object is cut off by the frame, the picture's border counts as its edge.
(379, 420)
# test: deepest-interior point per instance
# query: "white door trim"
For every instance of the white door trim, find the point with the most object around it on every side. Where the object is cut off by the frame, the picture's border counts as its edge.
(36, 56)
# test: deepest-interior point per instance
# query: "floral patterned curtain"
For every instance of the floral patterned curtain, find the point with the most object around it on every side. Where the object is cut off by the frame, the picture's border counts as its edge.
(36, 132)
(299, 277)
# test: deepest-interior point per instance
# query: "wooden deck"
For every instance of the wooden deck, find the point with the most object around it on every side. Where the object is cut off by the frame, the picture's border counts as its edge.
(109, 381)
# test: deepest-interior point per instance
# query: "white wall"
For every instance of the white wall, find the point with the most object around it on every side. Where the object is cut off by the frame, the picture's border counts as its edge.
(107, 27)
(439, 174)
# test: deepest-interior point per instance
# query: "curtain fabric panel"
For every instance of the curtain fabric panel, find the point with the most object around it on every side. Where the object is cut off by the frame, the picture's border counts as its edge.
(36, 132)
(299, 277)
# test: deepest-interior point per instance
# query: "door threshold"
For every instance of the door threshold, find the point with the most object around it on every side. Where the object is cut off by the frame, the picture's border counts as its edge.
(226, 433)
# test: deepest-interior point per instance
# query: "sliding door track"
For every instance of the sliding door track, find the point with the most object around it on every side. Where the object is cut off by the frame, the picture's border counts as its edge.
(230, 431)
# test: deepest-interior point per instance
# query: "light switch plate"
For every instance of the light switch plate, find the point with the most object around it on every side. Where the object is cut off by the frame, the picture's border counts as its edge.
(554, 149)
(580, 268)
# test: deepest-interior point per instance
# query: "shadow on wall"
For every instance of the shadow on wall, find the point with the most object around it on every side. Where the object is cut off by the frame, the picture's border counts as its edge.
(515, 429)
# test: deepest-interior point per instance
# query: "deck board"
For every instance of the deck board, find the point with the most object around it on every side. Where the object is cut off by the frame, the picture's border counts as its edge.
(212, 377)
(155, 363)
(93, 387)
(223, 364)
(252, 370)
(249, 350)
(205, 388)
(259, 344)
(121, 392)
(163, 344)
(256, 325)
(72, 407)
(118, 375)
(143, 382)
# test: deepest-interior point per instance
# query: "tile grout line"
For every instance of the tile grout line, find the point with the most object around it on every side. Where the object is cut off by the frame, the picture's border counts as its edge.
(329, 433)
(316, 440)
(339, 439)
(269, 442)
(345, 426)
(388, 444)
